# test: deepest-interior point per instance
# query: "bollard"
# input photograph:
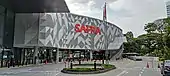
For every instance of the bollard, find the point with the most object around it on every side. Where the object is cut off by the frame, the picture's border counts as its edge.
(65, 63)
(13, 64)
(159, 66)
(147, 65)
(18, 63)
(8, 64)
(71, 65)
(95, 64)
(79, 61)
(102, 61)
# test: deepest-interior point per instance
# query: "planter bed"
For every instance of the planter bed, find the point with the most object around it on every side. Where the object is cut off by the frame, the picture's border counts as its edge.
(106, 67)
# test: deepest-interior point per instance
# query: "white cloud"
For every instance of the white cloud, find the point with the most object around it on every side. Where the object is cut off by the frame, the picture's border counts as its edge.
(130, 15)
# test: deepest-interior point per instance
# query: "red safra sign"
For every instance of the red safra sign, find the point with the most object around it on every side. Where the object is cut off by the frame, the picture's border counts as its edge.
(87, 29)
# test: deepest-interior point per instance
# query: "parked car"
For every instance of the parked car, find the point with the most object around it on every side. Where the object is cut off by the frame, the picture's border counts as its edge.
(135, 58)
(138, 58)
(165, 69)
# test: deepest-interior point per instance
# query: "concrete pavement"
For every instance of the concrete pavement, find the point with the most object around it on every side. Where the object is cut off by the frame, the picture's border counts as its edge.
(125, 67)
(128, 67)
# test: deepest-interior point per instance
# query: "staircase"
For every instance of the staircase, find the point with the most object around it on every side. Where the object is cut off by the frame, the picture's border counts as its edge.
(116, 55)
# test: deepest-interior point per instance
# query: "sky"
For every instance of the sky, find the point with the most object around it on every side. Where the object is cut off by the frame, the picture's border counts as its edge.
(129, 15)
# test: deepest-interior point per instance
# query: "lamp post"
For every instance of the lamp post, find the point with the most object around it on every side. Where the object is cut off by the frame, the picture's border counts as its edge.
(45, 55)
(32, 56)
(71, 65)
(95, 64)
(103, 58)
(54, 55)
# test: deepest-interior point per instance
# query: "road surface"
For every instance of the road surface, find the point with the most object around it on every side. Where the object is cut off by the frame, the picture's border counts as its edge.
(125, 67)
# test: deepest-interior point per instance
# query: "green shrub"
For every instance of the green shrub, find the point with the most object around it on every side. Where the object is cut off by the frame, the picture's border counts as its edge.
(80, 69)
(161, 59)
(86, 64)
(107, 66)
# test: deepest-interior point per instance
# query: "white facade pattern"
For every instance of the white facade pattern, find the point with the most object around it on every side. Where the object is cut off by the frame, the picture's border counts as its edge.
(168, 8)
(58, 30)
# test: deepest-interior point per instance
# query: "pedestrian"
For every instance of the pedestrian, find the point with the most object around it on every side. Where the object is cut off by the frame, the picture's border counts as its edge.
(8, 64)
(13, 63)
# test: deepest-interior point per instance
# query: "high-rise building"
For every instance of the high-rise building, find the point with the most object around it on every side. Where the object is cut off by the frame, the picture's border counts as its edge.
(168, 8)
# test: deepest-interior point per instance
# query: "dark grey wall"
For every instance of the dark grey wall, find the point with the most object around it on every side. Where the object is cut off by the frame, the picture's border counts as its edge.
(7, 4)
(8, 29)
(26, 30)
(1, 28)
(35, 6)
(2, 10)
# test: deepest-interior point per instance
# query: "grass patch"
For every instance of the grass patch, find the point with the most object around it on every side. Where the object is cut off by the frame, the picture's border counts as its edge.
(81, 69)
(108, 66)
(105, 67)
(86, 64)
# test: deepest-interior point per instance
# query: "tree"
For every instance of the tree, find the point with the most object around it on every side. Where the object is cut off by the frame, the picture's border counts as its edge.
(166, 36)
(130, 45)
(129, 36)
(150, 28)
(155, 42)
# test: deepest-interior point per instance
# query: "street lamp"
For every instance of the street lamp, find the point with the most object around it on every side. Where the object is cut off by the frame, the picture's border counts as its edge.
(32, 50)
(54, 50)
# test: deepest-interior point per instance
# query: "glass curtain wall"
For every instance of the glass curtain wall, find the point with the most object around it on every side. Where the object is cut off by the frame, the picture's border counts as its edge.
(2, 13)
(6, 36)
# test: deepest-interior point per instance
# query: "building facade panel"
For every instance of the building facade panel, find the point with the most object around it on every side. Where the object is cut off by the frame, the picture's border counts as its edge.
(65, 31)
(26, 30)
(113, 32)
(59, 30)
(168, 8)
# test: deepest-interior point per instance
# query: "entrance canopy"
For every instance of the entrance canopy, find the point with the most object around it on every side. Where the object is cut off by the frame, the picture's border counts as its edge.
(35, 6)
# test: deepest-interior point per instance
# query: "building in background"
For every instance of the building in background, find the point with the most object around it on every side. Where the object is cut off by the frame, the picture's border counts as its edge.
(168, 8)
(45, 30)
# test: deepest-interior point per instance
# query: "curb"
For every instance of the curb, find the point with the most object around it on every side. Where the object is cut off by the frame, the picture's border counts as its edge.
(24, 66)
(90, 72)
(94, 72)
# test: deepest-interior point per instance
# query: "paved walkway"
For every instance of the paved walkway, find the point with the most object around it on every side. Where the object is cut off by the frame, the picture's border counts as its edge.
(24, 66)
(54, 69)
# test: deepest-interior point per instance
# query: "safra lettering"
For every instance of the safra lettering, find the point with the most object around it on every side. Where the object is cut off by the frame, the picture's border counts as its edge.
(87, 29)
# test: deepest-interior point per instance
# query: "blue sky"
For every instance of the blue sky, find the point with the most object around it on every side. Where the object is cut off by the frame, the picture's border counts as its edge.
(130, 15)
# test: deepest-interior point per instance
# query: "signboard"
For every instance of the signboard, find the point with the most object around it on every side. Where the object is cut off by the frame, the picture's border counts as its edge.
(91, 29)
(70, 55)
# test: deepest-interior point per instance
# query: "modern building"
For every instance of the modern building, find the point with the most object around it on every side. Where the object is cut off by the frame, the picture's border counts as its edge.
(168, 8)
(34, 31)
(160, 24)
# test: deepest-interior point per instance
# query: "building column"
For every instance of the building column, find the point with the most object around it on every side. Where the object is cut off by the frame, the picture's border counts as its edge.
(84, 54)
(106, 54)
(91, 54)
(22, 56)
(35, 55)
(57, 55)
(51, 55)
(26, 57)
(2, 59)
(1, 55)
